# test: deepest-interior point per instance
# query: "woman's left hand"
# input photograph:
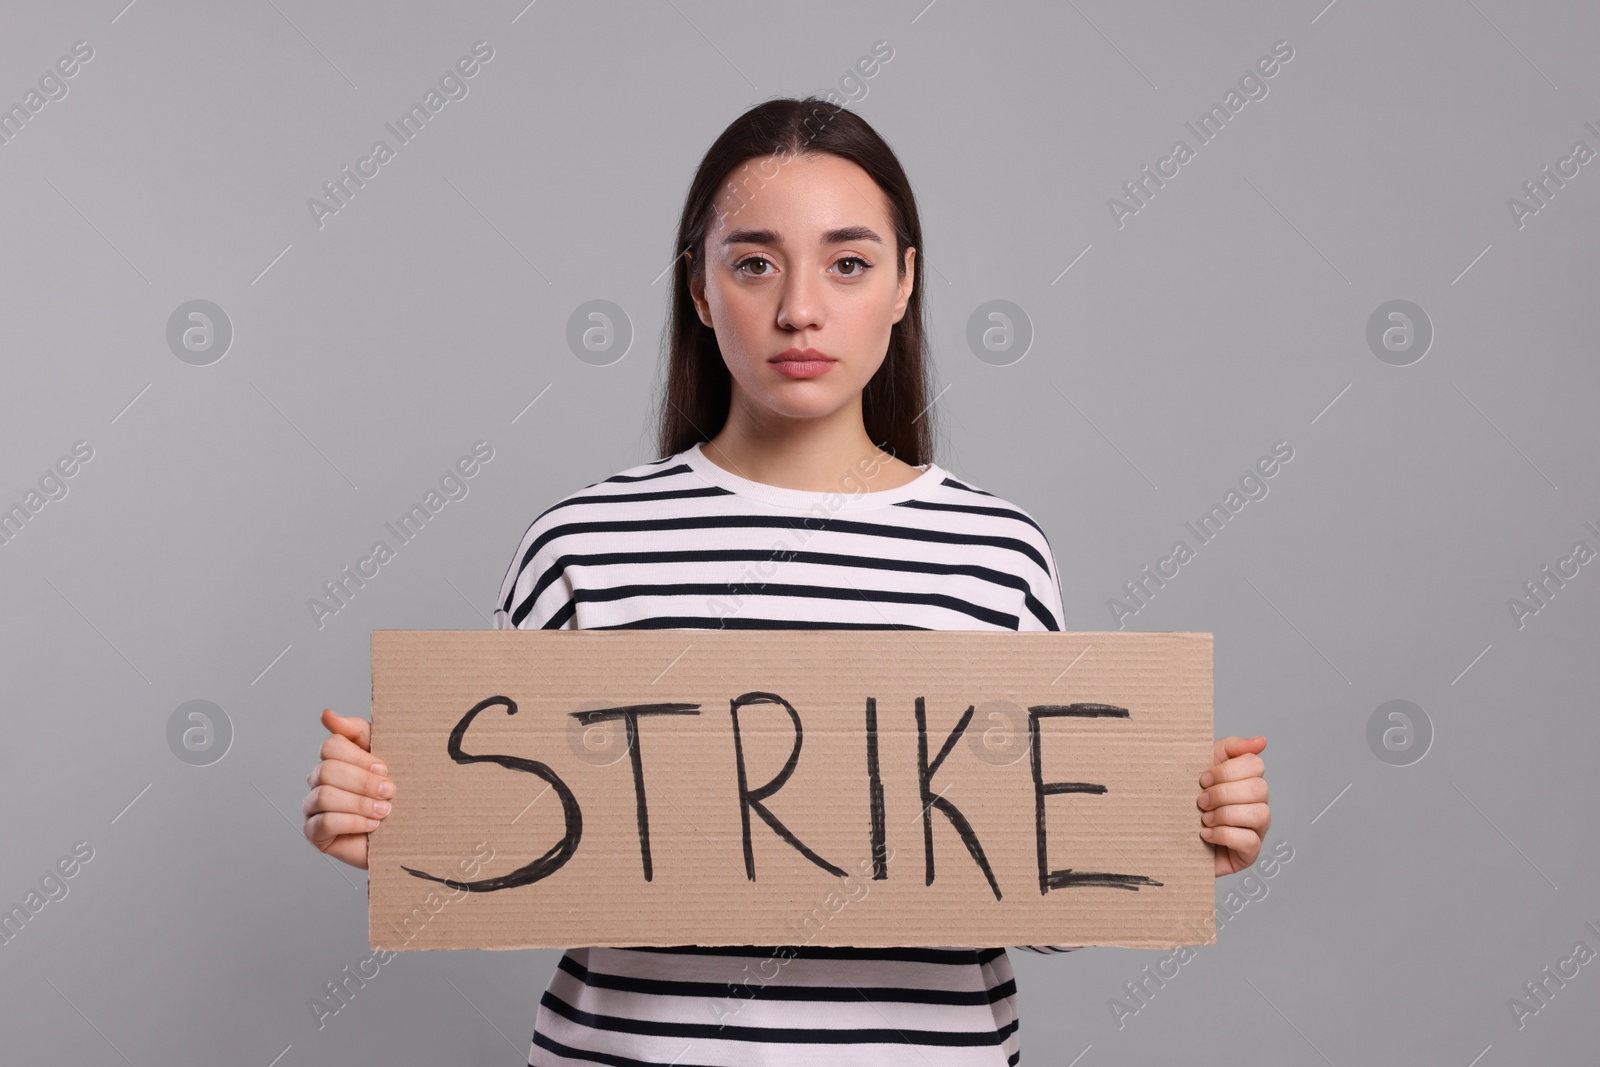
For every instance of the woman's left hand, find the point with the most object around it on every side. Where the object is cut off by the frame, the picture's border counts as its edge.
(1233, 803)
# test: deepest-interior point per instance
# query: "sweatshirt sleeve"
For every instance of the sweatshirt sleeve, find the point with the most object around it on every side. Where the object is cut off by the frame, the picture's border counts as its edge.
(1041, 596)
(535, 593)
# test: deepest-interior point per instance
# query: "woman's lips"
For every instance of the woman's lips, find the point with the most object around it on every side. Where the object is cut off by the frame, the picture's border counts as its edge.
(802, 368)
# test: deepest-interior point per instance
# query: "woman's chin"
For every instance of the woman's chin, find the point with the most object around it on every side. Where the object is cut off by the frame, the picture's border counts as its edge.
(815, 407)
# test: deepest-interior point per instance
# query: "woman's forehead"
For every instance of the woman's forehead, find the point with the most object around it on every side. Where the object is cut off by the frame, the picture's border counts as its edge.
(806, 200)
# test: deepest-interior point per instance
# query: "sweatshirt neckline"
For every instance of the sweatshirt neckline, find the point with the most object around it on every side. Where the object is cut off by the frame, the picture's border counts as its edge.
(805, 499)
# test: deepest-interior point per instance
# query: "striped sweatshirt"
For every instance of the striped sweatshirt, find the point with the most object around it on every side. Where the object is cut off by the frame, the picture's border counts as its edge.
(681, 543)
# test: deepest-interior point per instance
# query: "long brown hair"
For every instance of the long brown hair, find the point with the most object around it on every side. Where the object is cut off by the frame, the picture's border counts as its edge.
(699, 389)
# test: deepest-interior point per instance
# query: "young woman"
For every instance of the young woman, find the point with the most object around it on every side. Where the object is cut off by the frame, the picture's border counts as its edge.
(797, 491)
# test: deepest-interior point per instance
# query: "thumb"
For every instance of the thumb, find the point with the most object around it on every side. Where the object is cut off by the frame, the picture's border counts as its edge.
(1228, 747)
(356, 729)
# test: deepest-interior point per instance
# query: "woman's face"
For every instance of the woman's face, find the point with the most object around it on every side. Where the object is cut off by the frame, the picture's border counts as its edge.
(801, 255)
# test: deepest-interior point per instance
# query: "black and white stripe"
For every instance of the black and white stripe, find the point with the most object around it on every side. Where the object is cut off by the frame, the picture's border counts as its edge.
(683, 544)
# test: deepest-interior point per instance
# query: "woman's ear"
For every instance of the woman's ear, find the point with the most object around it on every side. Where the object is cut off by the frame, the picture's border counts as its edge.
(907, 283)
(697, 289)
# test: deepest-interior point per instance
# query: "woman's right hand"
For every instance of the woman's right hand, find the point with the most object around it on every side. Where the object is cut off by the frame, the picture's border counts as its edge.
(349, 793)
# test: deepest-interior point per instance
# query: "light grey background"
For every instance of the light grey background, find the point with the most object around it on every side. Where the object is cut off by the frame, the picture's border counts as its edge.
(1228, 314)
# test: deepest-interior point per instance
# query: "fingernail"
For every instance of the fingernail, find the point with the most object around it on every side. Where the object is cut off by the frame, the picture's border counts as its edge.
(381, 807)
(1205, 817)
(379, 768)
(1206, 780)
(372, 824)
(1205, 831)
(1205, 800)
(386, 789)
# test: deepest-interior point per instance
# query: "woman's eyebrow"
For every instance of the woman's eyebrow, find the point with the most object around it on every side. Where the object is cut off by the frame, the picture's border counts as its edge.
(842, 235)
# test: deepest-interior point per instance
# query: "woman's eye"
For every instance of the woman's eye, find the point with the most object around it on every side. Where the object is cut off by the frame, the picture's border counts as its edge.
(745, 266)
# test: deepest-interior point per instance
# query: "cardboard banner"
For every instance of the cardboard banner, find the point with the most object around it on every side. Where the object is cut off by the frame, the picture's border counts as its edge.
(874, 788)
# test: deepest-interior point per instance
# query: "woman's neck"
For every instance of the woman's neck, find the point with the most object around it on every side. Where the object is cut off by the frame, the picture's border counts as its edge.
(812, 459)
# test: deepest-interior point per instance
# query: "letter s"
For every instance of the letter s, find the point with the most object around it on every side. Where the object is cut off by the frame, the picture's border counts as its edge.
(483, 50)
(84, 851)
(558, 854)
(84, 451)
(878, 50)
(1283, 450)
(483, 450)
(83, 50)
(1283, 50)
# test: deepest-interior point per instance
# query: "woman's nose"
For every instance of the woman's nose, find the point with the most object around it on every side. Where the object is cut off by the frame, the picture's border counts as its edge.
(801, 305)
